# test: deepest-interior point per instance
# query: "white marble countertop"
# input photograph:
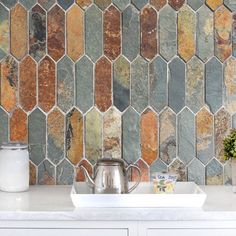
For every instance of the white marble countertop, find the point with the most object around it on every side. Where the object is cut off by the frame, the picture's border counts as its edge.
(54, 203)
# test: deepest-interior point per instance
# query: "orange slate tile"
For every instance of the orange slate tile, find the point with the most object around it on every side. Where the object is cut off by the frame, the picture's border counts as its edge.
(144, 171)
(32, 173)
(84, 3)
(214, 4)
(158, 4)
(80, 174)
(27, 79)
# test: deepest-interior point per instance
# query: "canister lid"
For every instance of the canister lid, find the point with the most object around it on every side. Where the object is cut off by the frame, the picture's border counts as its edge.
(14, 146)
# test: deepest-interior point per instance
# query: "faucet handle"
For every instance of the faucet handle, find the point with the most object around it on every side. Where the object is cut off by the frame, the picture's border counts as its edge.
(139, 176)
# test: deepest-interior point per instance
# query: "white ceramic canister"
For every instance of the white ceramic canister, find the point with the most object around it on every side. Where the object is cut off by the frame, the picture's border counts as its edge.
(14, 167)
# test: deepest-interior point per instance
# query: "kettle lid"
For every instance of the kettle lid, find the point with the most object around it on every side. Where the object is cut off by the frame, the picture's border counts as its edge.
(110, 161)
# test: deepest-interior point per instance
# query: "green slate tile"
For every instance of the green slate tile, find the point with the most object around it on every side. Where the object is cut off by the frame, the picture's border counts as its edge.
(121, 4)
(157, 166)
(131, 135)
(186, 136)
(176, 84)
(214, 173)
(139, 3)
(130, 33)
(158, 83)
(205, 33)
(213, 86)
(65, 4)
(84, 83)
(46, 173)
(65, 84)
(121, 83)
(139, 84)
(93, 33)
(3, 126)
(196, 172)
(195, 4)
(28, 3)
(37, 136)
(4, 31)
(9, 3)
(168, 32)
(64, 173)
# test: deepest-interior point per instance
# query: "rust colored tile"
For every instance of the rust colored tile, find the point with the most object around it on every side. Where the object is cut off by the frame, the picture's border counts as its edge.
(103, 84)
(214, 4)
(74, 136)
(148, 32)
(27, 88)
(158, 4)
(149, 136)
(80, 174)
(56, 32)
(223, 28)
(84, 3)
(9, 83)
(18, 126)
(46, 84)
(112, 33)
(75, 32)
(19, 31)
(144, 172)
(176, 4)
(32, 173)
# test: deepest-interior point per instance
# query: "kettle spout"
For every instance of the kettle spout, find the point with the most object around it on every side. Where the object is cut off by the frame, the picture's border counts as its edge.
(88, 178)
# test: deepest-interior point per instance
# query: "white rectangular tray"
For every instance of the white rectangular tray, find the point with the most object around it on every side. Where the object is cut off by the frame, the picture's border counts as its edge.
(187, 194)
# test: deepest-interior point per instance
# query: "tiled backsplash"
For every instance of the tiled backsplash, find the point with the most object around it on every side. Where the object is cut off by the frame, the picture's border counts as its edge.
(151, 81)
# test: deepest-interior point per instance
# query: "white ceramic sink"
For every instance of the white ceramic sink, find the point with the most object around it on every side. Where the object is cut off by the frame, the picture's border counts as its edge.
(187, 194)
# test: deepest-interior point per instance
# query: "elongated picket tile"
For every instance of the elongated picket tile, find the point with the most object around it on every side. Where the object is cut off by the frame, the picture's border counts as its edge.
(56, 32)
(157, 166)
(74, 136)
(214, 4)
(195, 84)
(176, 4)
(222, 128)
(37, 32)
(4, 31)
(186, 33)
(130, 33)
(65, 84)
(19, 31)
(148, 32)
(168, 32)
(214, 173)
(131, 135)
(196, 172)
(37, 136)
(32, 174)
(103, 84)
(195, 4)
(3, 126)
(46, 4)
(230, 85)
(80, 177)
(158, 83)
(223, 31)
(75, 32)
(9, 83)
(18, 126)
(144, 172)
(8, 3)
(93, 135)
(205, 33)
(176, 84)
(55, 133)
(93, 33)
(158, 4)
(234, 34)
(102, 4)
(139, 84)
(139, 3)
(84, 84)
(231, 4)
(84, 3)
(46, 173)
(112, 133)
(121, 4)
(65, 4)
(121, 83)
(64, 173)
(167, 135)
(186, 136)
(149, 136)
(28, 3)
(204, 133)
(227, 173)
(46, 84)
(112, 32)
(214, 80)
(178, 167)
(27, 85)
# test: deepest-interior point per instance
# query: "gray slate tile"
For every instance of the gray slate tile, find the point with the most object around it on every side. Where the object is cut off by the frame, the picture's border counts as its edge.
(121, 4)
(195, 4)
(231, 4)
(196, 172)
(46, 173)
(139, 3)
(28, 3)
(3, 126)
(65, 4)
(214, 173)
(64, 173)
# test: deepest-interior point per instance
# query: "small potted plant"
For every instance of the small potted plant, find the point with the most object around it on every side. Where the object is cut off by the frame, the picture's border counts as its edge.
(230, 154)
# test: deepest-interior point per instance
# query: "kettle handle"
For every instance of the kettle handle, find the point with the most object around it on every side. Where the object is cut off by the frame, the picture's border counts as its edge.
(139, 177)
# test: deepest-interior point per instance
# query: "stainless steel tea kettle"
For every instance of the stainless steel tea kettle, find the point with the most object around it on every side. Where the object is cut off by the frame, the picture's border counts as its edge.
(110, 176)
